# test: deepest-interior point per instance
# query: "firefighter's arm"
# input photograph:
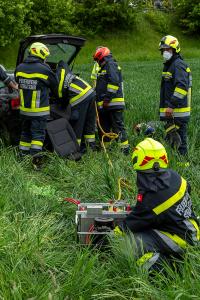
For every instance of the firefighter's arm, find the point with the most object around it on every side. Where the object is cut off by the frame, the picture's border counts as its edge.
(113, 80)
(13, 85)
(7, 79)
(141, 218)
(94, 73)
(4, 76)
(181, 84)
(53, 83)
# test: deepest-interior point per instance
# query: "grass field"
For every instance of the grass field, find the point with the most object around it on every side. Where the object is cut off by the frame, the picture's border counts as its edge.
(39, 255)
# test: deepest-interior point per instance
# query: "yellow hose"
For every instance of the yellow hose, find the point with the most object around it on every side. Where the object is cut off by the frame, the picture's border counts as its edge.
(121, 181)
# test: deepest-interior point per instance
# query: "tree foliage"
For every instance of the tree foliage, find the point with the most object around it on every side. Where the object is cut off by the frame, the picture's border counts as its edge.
(188, 14)
(12, 16)
(23, 17)
(51, 16)
(19, 18)
(100, 16)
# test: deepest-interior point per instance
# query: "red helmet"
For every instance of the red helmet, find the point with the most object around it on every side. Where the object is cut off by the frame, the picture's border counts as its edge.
(100, 53)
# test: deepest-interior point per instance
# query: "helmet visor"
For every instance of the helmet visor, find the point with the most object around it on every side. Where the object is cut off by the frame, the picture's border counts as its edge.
(163, 46)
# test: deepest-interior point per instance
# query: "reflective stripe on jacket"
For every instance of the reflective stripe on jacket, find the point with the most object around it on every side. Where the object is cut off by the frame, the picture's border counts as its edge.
(168, 210)
(72, 88)
(35, 78)
(109, 85)
(95, 71)
(175, 89)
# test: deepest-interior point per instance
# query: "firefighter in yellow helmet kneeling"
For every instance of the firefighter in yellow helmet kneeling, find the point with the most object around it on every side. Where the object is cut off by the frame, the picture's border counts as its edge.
(163, 222)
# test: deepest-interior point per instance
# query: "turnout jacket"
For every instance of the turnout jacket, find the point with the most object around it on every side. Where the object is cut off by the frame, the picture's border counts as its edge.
(95, 71)
(72, 88)
(164, 204)
(109, 86)
(4, 77)
(175, 91)
(35, 78)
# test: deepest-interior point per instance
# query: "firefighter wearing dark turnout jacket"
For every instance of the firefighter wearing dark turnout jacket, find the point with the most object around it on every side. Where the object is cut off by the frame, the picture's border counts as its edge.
(76, 92)
(110, 97)
(35, 78)
(163, 220)
(175, 92)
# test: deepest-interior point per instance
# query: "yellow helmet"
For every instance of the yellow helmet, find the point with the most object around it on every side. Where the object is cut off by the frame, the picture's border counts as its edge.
(39, 50)
(149, 155)
(170, 41)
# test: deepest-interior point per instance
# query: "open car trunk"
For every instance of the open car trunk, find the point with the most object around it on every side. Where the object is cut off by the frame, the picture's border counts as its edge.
(62, 47)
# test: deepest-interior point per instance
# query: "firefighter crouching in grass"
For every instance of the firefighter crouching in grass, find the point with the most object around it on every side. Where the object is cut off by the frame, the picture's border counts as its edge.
(163, 222)
(76, 92)
(35, 78)
(110, 98)
(175, 94)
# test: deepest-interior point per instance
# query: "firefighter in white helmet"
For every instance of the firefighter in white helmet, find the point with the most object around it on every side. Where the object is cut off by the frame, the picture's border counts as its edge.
(175, 93)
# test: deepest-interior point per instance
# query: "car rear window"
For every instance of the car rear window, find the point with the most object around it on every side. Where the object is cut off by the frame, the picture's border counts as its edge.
(58, 52)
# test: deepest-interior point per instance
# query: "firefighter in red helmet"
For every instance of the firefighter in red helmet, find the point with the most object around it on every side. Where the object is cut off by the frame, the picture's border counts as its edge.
(110, 97)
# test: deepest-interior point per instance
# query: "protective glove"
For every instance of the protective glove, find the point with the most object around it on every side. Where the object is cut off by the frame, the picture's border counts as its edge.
(118, 232)
(169, 112)
(172, 135)
(106, 103)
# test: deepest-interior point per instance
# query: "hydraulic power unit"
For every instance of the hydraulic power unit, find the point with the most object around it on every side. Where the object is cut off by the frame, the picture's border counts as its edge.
(95, 220)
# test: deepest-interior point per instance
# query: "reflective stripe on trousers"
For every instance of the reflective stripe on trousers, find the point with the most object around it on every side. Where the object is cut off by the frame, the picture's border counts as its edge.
(194, 229)
(174, 242)
(89, 138)
(148, 260)
(24, 146)
(36, 145)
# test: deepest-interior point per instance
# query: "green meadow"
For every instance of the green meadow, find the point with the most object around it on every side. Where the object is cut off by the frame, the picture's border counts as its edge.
(39, 255)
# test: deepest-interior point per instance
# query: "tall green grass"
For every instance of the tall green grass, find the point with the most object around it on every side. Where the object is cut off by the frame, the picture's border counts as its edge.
(39, 255)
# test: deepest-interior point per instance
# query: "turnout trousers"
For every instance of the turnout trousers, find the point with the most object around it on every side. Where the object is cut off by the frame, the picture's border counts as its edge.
(32, 134)
(83, 118)
(153, 248)
(113, 121)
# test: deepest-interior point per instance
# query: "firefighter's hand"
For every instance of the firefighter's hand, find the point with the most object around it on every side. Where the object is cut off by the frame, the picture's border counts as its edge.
(105, 103)
(13, 85)
(118, 232)
(169, 112)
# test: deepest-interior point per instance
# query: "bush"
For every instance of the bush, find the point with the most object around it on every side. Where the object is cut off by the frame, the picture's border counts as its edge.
(159, 20)
(51, 16)
(12, 16)
(100, 16)
(188, 13)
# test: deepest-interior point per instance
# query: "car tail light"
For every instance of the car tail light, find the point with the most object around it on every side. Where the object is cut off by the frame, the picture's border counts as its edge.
(15, 103)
